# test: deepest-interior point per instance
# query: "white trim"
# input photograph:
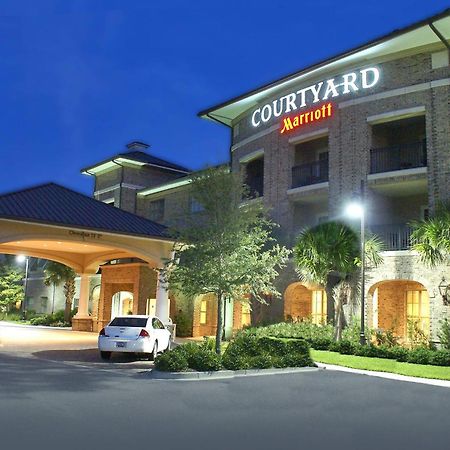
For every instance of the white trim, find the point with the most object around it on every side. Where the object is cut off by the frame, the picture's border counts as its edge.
(310, 187)
(255, 136)
(132, 186)
(108, 201)
(396, 115)
(165, 187)
(397, 173)
(118, 186)
(309, 136)
(104, 191)
(252, 156)
(396, 92)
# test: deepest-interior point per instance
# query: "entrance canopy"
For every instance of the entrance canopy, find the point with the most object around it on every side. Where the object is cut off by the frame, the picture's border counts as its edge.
(56, 223)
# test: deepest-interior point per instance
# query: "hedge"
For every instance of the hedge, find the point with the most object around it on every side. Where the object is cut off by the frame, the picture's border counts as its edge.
(244, 352)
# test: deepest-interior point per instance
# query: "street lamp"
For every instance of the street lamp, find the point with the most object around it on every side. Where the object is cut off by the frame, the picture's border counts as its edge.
(24, 259)
(355, 210)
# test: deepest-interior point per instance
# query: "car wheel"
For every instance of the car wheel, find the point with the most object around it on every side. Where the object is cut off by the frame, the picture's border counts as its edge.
(154, 352)
(105, 355)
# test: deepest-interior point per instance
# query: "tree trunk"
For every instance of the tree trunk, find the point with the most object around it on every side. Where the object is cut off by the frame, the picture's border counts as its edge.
(69, 291)
(329, 289)
(219, 330)
(341, 293)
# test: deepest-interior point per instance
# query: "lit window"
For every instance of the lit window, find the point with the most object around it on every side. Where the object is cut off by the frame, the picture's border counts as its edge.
(319, 307)
(203, 311)
(246, 314)
(418, 309)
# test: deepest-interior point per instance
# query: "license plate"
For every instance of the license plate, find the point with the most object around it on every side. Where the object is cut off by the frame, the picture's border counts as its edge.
(121, 344)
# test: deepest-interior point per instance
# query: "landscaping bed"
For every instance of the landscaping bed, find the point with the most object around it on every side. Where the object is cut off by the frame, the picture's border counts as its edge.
(243, 353)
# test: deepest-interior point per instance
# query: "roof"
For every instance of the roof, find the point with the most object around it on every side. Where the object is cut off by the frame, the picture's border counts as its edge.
(135, 157)
(408, 38)
(53, 204)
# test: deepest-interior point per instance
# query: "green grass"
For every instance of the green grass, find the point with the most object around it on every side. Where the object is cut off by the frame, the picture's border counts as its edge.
(381, 365)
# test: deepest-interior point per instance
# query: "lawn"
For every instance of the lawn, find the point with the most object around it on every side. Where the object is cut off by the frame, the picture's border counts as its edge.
(381, 365)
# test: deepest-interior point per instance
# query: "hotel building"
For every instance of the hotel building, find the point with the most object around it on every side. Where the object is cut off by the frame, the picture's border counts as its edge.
(377, 116)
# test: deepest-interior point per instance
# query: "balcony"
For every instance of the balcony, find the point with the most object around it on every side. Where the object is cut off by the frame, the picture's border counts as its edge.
(398, 157)
(308, 174)
(394, 237)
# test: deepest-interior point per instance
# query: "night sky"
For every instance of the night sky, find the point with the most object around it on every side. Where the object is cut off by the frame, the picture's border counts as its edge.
(80, 79)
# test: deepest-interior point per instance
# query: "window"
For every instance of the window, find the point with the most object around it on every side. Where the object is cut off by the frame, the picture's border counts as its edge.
(319, 307)
(246, 314)
(418, 309)
(254, 179)
(203, 311)
(157, 324)
(135, 322)
(195, 206)
(157, 210)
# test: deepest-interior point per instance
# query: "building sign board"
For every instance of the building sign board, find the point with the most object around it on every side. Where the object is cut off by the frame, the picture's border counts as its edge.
(316, 93)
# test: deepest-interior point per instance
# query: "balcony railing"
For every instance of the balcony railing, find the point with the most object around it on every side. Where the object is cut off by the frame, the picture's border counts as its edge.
(394, 237)
(312, 173)
(398, 157)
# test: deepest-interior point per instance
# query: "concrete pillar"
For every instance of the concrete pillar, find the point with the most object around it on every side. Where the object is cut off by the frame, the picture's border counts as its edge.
(162, 300)
(83, 304)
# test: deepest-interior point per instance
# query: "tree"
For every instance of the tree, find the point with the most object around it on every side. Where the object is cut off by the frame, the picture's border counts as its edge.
(226, 249)
(329, 254)
(431, 237)
(11, 289)
(55, 274)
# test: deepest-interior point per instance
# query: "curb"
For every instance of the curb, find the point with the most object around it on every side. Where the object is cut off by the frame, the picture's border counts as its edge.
(387, 375)
(224, 374)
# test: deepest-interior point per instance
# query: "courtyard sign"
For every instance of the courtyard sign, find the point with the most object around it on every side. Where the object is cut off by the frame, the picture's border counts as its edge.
(319, 92)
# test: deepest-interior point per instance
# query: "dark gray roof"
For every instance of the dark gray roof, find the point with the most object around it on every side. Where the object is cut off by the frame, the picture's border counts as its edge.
(58, 205)
(145, 158)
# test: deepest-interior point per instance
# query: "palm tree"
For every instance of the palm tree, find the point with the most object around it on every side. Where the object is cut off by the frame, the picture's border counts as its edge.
(431, 237)
(55, 274)
(329, 254)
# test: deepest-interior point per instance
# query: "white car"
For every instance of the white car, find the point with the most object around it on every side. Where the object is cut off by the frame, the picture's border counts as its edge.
(134, 334)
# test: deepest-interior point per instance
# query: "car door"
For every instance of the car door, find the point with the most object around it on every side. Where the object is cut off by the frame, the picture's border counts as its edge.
(161, 333)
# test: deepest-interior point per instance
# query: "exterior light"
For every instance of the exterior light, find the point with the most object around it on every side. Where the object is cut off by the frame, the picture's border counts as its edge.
(21, 258)
(355, 210)
(444, 289)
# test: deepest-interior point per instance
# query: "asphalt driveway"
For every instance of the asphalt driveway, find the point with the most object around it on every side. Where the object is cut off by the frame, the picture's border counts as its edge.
(47, 404)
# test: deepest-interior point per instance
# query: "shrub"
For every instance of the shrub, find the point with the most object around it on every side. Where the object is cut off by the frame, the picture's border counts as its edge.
(444, 334)
(345, 347)
(420, 356)
(184, 326)
(440, 358)
(416, 336)
(387, 338)
(232, 362)
(41, 320)
(321, 343)
(171, 362)
(249, 351)
(264, 361)
(205, 360)
(399, 353)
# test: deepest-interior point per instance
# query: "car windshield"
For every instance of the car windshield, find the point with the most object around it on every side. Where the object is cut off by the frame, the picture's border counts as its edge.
(129, 322)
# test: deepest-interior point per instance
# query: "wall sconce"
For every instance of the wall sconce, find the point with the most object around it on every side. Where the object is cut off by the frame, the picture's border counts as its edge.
(444, 290)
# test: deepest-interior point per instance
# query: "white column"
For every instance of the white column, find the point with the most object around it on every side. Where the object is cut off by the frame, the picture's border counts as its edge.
(162, 300)
(83, 303)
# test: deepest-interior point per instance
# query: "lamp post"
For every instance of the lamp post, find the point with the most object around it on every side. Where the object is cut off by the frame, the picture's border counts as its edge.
(26, 259)
(356, 210)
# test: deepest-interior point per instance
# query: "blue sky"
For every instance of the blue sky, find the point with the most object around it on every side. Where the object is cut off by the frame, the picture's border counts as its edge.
(80, 79)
